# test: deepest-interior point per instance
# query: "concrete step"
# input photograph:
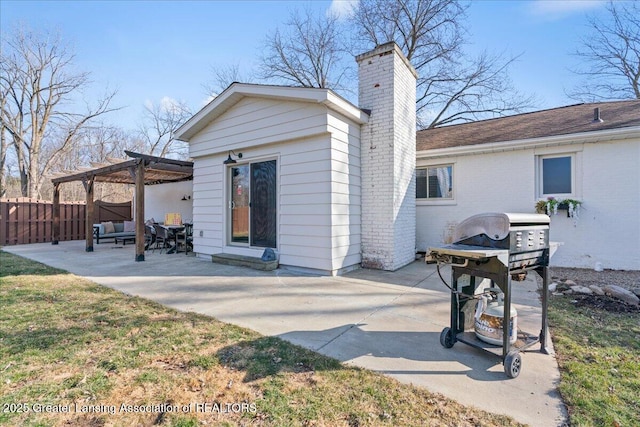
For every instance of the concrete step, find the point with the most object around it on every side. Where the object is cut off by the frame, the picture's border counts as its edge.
(244, 261)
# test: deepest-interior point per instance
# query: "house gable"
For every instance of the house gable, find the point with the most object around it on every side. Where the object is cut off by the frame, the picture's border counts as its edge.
(238, 91)
(254, 122)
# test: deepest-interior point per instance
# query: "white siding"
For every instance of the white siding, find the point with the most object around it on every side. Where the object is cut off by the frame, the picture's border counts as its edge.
(345, 193)
(254, 122)
(167, 198)
(208, 201)
(317, 153)
(305, 204)
(607, 181)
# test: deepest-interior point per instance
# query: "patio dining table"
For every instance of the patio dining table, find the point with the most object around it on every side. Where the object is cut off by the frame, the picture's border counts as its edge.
(173, 237)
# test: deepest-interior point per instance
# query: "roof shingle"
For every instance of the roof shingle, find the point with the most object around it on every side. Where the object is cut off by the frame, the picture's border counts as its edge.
(538, 124)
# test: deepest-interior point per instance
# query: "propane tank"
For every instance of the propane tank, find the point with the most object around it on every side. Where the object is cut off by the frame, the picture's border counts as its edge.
(488, 320)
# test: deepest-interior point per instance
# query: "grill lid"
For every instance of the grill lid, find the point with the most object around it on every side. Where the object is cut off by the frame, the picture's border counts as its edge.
(495, 225)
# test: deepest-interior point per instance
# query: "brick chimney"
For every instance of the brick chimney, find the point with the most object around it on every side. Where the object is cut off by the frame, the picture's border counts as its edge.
(387, 87)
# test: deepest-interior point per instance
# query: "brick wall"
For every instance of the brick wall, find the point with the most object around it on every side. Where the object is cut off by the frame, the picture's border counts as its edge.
(607, 180)
(387, 87)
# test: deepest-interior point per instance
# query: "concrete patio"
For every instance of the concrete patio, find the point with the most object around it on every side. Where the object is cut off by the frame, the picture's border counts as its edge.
(389, 322)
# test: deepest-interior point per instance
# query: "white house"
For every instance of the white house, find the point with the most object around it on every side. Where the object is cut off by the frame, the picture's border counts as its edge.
(587, 152)
(331, 186)
(328, 185)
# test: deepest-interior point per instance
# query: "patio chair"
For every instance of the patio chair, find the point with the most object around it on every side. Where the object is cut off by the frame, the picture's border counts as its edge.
(149, 237)
(185, 239)
(162, 237)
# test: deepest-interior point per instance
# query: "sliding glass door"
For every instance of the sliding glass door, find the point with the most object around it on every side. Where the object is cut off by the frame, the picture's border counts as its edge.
(240, 204)
(253, 202)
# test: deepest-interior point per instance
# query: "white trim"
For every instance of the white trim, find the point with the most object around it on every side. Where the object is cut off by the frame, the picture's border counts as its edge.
(549, 151)
(228, 245)
(522, 144)
(540, 177)
(236, 91)
(438, 200)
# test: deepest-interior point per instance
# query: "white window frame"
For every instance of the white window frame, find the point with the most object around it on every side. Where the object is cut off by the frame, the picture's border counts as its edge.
(241, 248)
(540, 176)
(438, 200)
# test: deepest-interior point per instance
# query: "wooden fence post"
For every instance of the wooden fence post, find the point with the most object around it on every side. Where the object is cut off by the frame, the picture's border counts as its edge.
(140, 210)
(89, 216)
(56, 215)
(4, 221)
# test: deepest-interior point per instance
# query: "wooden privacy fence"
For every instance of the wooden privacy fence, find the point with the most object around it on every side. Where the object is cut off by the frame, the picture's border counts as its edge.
(25, 220)
(116, 212)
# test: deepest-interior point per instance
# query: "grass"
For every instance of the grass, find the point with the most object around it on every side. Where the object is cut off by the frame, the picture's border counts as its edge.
(67, 341)
(113, 359)
(598, 354)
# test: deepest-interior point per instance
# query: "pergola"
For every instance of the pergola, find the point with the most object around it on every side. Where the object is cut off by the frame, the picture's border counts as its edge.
(140, 170)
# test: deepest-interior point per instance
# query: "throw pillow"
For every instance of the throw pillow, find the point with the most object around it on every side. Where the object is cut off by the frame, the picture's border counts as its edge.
(129, 226)
(108, 227)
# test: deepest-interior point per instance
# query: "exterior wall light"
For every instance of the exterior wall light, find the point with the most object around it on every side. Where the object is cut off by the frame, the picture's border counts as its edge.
(230, 160)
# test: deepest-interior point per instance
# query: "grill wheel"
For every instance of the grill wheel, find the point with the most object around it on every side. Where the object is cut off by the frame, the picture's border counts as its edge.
(446, 338)
(513, 364)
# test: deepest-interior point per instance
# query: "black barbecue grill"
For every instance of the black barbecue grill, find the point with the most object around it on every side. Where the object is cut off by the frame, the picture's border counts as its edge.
(500, 248)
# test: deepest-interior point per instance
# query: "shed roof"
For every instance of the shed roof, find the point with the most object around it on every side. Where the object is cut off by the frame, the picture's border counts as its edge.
(567, 120)
(158, 170)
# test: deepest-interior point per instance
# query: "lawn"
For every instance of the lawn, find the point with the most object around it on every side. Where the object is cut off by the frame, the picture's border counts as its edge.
(598, 352)
(75, 353)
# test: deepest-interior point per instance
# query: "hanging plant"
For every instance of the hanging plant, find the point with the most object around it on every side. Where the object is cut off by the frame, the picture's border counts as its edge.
(551, 205)
(573, 209)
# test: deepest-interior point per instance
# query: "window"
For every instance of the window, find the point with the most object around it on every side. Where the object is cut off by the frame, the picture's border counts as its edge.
(434, 182)
(556, 175)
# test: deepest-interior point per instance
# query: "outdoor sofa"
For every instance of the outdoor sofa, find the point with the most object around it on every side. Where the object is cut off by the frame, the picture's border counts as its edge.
(125, 231)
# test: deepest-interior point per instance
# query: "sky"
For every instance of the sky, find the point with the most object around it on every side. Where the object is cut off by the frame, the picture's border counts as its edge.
(158, 51)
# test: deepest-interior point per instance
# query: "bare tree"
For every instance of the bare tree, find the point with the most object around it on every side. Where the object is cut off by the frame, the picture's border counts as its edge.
(611, 55)
(39, 111)
(306, 52)
(3, 160)
(95, 146)
(223, 76)
(469, 92)
(4, 144)
(426, 31)
(160, 122)
(451, 86)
